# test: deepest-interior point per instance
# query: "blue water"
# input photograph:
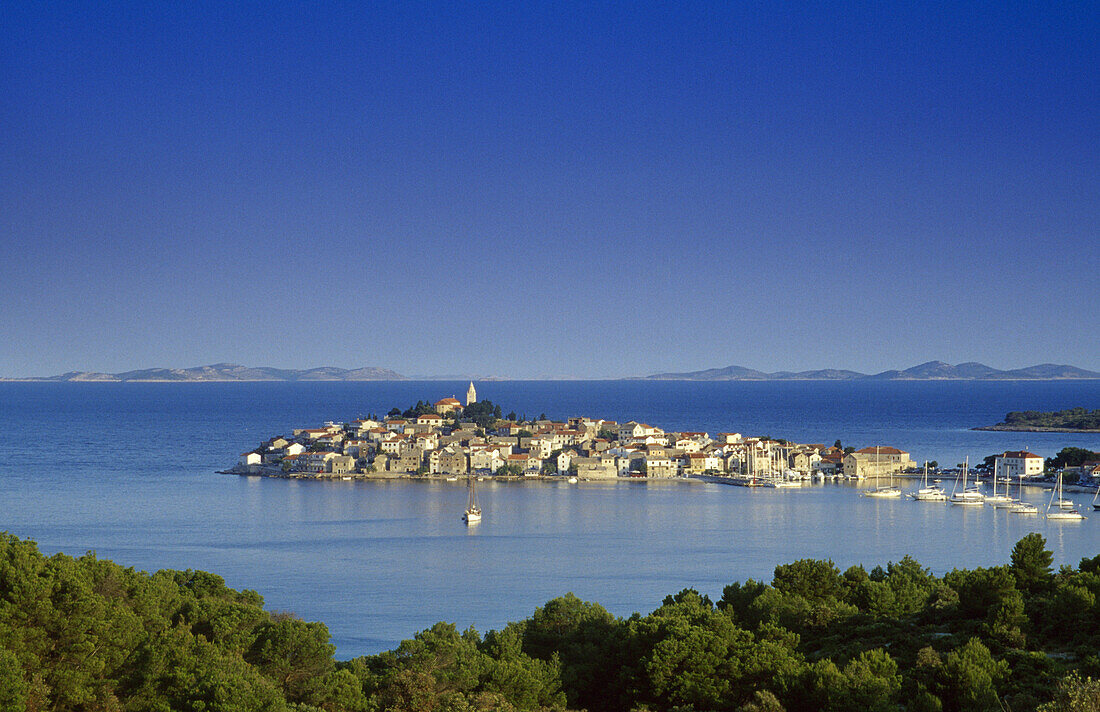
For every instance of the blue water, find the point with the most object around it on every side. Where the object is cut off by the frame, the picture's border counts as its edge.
(128, 470)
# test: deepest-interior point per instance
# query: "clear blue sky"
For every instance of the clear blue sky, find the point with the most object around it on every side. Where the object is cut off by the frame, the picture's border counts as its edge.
(538, 189)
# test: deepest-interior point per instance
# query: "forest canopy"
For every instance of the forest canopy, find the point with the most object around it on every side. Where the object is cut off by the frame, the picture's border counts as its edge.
(87, 634)
(1071, 418)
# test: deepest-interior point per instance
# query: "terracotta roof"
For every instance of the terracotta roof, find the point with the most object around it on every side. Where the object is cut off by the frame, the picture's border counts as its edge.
(881, 450)
(1021, 454)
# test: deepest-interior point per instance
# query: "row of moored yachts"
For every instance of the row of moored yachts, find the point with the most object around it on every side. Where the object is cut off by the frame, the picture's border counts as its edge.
(1059, 508)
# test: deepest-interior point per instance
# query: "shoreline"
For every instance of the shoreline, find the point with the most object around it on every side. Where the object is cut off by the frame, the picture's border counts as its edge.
(386, 476)
(693, 480)
(1033, 429)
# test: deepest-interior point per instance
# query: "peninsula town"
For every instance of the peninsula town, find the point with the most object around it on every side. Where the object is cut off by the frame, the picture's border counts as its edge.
(449, 438)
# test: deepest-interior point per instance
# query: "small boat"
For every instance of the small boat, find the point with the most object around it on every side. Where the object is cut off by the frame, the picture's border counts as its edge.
(572, 480)
(1095, 504)
(883, 492)
(889, 491)
(934, 493)
(345, 478)
(1065, 514)
(452, 479)
(473, 511)
(1023, 507)
(1061, 514)
(969, 496)
(999, 500)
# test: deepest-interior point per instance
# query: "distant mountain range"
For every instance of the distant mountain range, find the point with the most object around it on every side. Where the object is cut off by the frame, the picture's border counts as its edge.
(229, 372)
(931, 371)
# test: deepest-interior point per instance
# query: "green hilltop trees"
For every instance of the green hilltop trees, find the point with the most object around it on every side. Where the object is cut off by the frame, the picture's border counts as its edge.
(84, 634)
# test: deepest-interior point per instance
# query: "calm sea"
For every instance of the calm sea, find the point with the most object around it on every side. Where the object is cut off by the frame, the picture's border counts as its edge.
(127, 470)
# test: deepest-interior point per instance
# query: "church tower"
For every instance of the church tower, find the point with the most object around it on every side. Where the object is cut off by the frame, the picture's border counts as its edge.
(471, 394)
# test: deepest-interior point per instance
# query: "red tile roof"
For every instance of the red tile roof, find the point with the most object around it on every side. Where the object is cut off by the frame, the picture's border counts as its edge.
(881, 450)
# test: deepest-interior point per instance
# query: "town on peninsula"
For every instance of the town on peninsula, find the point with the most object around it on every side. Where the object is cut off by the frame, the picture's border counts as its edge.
(450, 438)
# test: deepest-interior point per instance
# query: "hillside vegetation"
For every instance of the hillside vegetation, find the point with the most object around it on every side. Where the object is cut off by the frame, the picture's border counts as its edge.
(86, 634)
(1071, 418)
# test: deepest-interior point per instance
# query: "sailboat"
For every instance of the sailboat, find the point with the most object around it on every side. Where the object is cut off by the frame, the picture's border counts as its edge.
(1095, 504)
(999, 500)
(929, 494)
(473, 512)
(1061, 513)
(888, 491)
(1023, 507)
(969, 496)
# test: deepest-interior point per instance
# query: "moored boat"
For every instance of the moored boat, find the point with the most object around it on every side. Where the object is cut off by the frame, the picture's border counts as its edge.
(1062, 513)
(969, 496)
(889, 491)
(999, 500)
(473, 511)
(934, 493)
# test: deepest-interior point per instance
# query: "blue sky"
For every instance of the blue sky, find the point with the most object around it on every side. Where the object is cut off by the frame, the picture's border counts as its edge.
(545, 189)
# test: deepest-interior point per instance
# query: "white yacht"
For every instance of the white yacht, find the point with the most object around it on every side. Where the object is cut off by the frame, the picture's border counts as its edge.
(1023, 507)
(999, 500)
(1061, 513)
(889, 491)
(968, 496)
(473, 512)
(934, 493)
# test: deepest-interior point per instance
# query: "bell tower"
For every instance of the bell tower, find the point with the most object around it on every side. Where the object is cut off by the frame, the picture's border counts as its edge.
(471, 394)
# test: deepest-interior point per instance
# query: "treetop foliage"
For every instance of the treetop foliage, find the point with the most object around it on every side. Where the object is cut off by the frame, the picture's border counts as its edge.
(83, 634)
(1075, 418)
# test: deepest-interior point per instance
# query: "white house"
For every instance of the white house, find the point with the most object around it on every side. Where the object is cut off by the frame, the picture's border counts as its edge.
(1019, 463)
(250, 459)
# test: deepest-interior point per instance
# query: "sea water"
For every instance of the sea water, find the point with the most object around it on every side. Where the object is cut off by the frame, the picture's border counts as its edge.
(128, 470)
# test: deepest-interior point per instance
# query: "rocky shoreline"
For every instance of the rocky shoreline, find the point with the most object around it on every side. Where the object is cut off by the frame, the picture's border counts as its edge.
(1035, 429)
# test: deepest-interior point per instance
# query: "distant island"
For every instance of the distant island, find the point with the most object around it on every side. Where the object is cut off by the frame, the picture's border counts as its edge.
(930, 371)
(1071, 420)
(225, 372)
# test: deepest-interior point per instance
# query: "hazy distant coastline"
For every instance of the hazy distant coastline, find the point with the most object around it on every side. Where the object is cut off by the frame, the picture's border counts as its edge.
(930, 371)
(224, 372)
(230, 372)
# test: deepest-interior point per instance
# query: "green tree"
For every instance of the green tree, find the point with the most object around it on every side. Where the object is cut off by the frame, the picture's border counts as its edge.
(13, 688)
(1074, 694)
(970, 676)
(292, 652)
(810, 578)
(1031, 563)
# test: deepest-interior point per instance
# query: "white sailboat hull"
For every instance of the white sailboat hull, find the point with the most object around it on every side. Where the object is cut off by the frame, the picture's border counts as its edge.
(883, 492)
